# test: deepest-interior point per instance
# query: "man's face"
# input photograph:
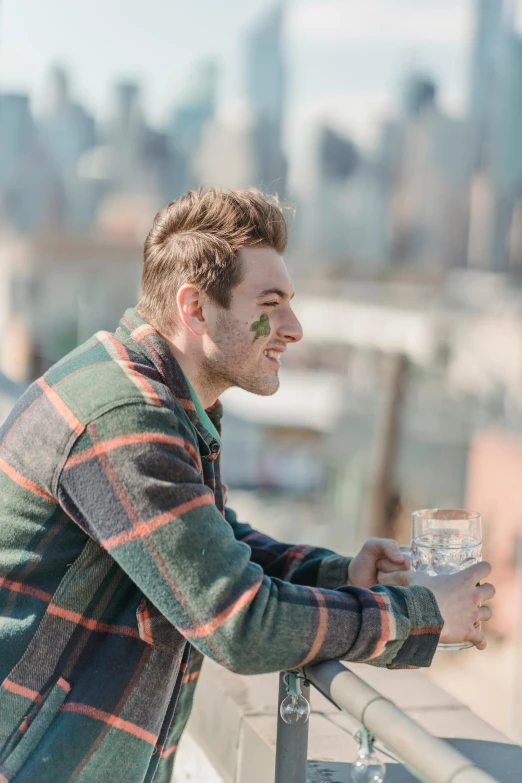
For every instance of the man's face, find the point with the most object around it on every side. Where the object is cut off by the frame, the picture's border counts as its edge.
(248, 339)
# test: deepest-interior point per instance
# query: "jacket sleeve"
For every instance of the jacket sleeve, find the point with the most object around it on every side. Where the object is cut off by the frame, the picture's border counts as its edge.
(299, 564)
(133, 483)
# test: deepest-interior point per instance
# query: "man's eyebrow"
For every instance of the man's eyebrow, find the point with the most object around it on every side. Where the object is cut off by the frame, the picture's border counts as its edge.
(277, 291)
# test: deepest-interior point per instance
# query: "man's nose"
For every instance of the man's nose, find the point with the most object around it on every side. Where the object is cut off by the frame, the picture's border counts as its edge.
(291, 329)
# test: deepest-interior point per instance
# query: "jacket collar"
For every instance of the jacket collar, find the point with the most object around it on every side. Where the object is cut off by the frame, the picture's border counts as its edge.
(150, 344)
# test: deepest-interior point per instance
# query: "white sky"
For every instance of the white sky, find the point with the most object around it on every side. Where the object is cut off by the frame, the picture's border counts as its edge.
(346, 57)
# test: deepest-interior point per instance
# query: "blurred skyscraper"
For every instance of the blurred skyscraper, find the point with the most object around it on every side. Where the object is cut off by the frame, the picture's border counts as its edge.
(419, 94)
(126, 132)
(17, 132)
(507, 160)
(137, 167)
(437, 192)
(31, 194)
(66, 131)
(338, 155)
(425, 155)
(196, 108)
(343, 221)
(240, 145)
(488, 70)
(265, 75)
(225, 157)
(190, 118)
(485, 76)
(325, 231)
(495, 117)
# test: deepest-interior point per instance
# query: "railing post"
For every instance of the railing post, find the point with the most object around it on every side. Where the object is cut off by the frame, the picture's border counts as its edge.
(291, 743)
(428, 757)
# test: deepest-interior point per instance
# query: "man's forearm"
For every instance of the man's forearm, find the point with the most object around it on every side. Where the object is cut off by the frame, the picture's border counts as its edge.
(296, 563)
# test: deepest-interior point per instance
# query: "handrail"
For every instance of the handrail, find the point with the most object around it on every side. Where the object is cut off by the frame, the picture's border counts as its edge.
(431, 759)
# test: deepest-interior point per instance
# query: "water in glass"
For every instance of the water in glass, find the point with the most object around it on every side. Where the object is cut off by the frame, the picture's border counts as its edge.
(445, 541)
(444, 551)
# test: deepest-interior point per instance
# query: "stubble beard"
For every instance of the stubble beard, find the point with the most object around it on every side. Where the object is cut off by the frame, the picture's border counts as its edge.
(234, 363)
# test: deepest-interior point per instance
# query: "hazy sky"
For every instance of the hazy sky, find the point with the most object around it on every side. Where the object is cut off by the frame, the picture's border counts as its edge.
(346, 58)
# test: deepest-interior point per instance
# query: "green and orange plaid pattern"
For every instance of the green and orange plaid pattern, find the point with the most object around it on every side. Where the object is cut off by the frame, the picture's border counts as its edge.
(121, 568)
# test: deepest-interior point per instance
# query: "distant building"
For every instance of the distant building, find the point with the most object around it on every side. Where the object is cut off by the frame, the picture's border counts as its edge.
(265, 76)
(191, 118)
(32, 198)
(66, 131)
(65, 128)
(506, 155)
(325, 232)
(55, 292)
(344, 215)
(225, 156)
(18, 133)
(196, 108)
(482, 210)
(428, 214)
(495, 123)
(419, 94)
(338, 156)
(351, 206)
(485, 77)
(139, 156)
(125, 134)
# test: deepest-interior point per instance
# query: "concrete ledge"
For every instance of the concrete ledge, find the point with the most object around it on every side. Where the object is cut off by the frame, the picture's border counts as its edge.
(234, 724)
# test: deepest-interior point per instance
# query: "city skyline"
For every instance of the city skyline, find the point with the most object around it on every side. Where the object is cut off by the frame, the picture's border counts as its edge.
(436, 190)
(342, 67)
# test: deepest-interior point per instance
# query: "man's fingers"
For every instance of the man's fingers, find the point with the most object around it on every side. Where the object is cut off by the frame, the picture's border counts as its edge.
(385, 548)
(396, 578)
(486, 592)
(478, 639)
(392, 550)
(477, 572)
(484, 613)
(388, 567)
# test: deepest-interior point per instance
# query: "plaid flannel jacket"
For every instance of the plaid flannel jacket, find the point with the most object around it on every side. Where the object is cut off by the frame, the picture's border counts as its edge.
(121, 567)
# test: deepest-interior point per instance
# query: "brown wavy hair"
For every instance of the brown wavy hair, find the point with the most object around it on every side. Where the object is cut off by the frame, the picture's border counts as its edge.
(197, 238)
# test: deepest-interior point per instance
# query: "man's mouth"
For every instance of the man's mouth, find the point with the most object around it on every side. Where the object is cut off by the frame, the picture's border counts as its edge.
(274, 357)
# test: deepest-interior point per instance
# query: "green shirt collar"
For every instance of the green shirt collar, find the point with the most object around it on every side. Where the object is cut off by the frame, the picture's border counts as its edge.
(203, 415)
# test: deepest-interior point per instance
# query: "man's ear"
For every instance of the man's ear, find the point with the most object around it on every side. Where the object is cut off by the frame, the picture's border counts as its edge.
(191, 311)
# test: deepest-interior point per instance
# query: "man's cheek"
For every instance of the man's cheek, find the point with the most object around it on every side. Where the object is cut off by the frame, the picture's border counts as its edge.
(261, 327)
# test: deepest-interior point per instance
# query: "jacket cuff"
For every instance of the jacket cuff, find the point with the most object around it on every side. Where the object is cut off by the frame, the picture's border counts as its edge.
(426, 624)
(333, 572)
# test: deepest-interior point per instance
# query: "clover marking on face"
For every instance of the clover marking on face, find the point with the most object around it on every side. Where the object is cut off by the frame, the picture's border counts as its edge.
(261, 328)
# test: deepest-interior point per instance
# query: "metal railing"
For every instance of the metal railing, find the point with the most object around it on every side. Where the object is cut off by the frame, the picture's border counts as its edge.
(428, 758)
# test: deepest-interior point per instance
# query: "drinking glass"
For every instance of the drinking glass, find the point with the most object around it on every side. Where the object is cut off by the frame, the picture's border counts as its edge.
(443, 541)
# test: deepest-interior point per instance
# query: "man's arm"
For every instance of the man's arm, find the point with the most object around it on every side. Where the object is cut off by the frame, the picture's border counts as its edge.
(299, 564)
(132, 483)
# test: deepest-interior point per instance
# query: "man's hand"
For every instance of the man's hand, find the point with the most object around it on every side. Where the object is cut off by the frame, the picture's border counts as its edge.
(459, 596)
(377, 555)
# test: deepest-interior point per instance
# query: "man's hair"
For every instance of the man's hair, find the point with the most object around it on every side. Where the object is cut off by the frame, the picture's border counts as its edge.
(197, 238)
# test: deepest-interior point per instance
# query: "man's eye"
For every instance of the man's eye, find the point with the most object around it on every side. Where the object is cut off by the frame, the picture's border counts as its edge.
(270, 304)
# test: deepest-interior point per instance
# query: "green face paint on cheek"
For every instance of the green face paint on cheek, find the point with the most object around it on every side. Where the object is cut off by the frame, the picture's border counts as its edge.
(261, 328)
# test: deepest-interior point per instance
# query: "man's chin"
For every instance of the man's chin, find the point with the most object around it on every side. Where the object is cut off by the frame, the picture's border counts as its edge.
(262, 388)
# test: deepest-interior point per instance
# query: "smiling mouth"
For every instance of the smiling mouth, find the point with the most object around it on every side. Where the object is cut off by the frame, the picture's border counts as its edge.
(273, 356)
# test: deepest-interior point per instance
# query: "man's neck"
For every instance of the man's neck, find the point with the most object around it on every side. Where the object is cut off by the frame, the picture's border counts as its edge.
(190, 363)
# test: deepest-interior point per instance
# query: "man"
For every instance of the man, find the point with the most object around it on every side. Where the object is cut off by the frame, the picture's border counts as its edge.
(120, 564)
